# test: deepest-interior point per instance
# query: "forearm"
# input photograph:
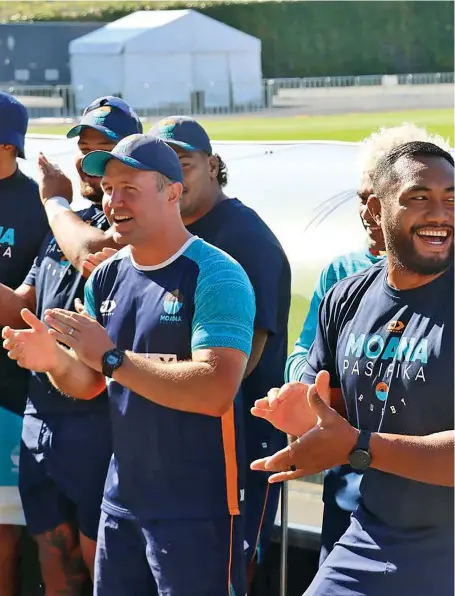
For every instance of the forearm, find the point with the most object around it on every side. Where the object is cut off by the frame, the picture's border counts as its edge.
(185, 386)
(74, 378)
(428, 459)
(77, 239)
(11, 304)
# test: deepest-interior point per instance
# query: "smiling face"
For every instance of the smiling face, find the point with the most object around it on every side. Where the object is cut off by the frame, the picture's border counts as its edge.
(91, 140)
(373, 230)
(138, 203)
(417, 214)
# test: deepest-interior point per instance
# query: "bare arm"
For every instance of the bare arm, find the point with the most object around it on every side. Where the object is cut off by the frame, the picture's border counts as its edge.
(259, 340)
(206, 385)
(13, 301)
(427, 459)
(78, 240)
(74, 378)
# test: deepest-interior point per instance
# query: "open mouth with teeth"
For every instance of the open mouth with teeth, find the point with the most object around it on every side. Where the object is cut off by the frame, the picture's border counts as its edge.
(119, 219)
(434, 237)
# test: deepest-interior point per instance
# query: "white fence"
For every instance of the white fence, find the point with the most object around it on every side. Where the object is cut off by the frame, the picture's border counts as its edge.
(59, 101)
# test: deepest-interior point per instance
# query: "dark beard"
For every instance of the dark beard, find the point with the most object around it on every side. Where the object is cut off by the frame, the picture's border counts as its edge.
(92, 194)
(401, 249)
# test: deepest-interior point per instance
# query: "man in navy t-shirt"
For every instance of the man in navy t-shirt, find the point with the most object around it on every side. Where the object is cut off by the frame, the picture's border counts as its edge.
(66, 444)
(385, 345)
(228, 224)
(170, 332)
(23, 225)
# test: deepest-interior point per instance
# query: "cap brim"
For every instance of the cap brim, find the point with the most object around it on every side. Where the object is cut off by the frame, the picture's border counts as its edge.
(94, 163)
(180, 144)
(76, 131)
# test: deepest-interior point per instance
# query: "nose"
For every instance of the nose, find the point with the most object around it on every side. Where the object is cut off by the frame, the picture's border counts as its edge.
(115, 199)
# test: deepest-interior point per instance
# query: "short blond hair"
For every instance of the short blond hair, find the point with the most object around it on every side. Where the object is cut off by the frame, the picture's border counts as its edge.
(385, 139)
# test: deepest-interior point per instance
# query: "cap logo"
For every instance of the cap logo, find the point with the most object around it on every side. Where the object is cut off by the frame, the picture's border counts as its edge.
(124, 145)
(99, 115)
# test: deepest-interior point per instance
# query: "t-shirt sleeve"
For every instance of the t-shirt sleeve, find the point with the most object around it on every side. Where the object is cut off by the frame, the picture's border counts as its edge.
(264, 264)
(224, 308)
(296, 362)
(89, 297)
(30, 280)
(322, 354)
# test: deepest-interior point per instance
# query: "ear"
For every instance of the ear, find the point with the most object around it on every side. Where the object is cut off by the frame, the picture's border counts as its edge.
(175, 192)
(214, 166)
(374, 207)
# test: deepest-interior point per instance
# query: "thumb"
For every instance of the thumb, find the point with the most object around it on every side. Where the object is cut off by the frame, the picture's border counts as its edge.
(322, 383)
(80, 308)
(32, 321)
(317, 404)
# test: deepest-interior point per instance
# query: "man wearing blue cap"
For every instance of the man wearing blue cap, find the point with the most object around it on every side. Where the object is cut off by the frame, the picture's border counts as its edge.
(238, 230)
(23, 226)
(66, 444)
(168, 327)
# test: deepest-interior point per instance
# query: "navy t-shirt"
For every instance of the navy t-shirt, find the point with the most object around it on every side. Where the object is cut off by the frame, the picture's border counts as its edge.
(168, 463)
(392, 352)
(23, 226)
(239, 231)
(57, 285)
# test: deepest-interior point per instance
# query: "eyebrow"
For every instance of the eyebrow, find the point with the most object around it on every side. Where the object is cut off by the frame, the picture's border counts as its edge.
(418, 187)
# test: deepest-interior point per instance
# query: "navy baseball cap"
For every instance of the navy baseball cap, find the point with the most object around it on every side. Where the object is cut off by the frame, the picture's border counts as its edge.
(139, 151)
(183, 132)
(111, 116)
(13, 122)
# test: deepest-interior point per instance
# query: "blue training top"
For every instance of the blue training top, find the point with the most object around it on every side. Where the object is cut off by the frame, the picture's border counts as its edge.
(169, 463)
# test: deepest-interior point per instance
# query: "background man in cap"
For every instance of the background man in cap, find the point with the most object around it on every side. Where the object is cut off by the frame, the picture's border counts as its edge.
(66, 444)
(178, 324)
(228, 224)
(23, 226)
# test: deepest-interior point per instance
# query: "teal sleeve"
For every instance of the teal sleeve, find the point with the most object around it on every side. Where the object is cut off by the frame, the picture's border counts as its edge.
(224, 306)
(89, 298)
(296, 361)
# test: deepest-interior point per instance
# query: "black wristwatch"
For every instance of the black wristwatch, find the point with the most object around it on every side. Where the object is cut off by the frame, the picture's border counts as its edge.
(112, 360)
(360, 458)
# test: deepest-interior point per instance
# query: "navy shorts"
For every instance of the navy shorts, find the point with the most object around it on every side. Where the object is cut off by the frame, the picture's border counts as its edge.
(372, 560)
(63, 467)
(335, 522)
(261, 505)
(195, 557)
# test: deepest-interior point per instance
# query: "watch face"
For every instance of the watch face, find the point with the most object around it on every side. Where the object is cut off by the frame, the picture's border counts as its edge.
(360, 459)
(112, 359)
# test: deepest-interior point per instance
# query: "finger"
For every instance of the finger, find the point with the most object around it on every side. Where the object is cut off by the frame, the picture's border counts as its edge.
(69, 340)
(261, 413)
(95, 259)
(322, 383)
(16, 352)
(109, 252)
(69, 317)
(285, 476)
(7, 332)
(280, 461)
(317, 404)
(11, 342)
(89, 267)
(259, 464)
(262, 403)
(60, 326)
(31, 320)
(79, 306)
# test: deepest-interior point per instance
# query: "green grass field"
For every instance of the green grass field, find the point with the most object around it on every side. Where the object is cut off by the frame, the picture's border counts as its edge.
(349, 127)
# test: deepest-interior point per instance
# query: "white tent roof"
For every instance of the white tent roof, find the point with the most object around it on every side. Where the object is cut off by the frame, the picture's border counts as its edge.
(164, 31)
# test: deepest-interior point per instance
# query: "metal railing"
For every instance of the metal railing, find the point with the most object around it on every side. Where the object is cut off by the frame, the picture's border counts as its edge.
(63, 101)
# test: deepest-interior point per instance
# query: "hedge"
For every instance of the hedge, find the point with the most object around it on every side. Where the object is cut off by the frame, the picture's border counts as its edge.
(302, 39)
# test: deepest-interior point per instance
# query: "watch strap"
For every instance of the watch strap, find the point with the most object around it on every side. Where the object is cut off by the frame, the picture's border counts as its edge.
(363, 441)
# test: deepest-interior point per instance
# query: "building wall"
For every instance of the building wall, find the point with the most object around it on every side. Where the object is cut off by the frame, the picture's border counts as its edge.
(37, 53)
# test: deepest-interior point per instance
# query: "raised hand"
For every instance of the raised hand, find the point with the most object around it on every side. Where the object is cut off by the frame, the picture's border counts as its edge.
(52, 181)
(93, 260)
(32, 348)
(326, 445)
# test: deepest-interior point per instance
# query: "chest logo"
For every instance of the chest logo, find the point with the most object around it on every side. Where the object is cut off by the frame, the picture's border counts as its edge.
(172, 305)
(107, 306)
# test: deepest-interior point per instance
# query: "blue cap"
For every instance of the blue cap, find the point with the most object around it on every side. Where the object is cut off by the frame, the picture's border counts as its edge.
(183, 132)
(139, 151)
(111, 116)
(13, 122)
